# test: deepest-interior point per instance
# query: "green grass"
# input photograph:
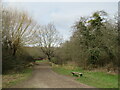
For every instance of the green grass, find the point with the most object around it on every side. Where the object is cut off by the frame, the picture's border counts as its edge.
(13, 78)
(95, 79)
(38, 61)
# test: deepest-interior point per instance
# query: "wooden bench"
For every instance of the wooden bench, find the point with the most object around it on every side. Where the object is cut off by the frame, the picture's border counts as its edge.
(77, 74)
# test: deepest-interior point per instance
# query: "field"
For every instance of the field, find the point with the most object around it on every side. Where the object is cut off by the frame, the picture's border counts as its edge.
(92, 78)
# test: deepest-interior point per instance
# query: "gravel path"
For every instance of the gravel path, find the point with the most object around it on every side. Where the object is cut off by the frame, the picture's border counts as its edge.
(44, 77)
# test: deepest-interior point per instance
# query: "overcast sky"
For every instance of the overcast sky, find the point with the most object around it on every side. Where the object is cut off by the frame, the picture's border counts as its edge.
(63, 14)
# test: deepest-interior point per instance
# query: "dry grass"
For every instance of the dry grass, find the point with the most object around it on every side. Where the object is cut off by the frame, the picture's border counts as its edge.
(11, 79)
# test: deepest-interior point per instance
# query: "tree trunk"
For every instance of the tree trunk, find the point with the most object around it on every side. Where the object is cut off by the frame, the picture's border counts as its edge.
(14, 52)
(49, 58)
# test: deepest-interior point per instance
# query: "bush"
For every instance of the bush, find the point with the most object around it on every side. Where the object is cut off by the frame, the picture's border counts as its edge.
(17, 62)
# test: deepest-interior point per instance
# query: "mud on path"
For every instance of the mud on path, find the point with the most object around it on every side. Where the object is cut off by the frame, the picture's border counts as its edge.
(44, 77)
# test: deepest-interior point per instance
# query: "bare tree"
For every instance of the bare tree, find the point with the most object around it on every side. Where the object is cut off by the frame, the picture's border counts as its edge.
(17, 29)
(48, 39)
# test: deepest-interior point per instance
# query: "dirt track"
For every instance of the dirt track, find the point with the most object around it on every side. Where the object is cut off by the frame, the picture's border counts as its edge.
(44, 77)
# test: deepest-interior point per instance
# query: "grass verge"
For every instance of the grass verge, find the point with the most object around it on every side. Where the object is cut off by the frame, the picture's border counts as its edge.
(91, 78)
(11, 79)
(40, 61)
